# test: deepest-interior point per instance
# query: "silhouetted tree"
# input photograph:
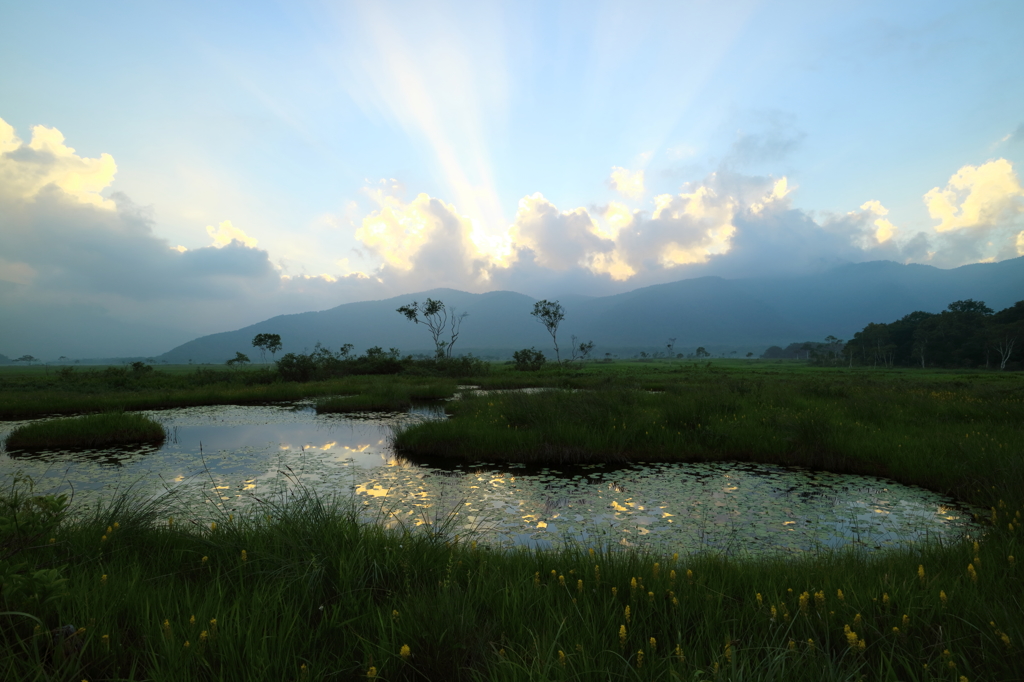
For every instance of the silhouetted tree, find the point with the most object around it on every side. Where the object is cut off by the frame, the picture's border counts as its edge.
(436, 318)
(239, 359)
(550, 314)
(267, 343)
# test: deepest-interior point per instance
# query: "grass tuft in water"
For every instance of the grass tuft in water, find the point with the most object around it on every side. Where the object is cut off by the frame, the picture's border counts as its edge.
(90, 431)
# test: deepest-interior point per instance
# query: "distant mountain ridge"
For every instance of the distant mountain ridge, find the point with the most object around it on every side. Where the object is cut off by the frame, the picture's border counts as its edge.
(712, 312)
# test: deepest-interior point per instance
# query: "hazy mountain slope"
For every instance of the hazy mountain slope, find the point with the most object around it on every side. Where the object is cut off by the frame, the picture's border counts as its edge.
(707, 311)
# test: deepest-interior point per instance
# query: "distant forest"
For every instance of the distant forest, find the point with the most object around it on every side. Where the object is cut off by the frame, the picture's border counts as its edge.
(966, 334)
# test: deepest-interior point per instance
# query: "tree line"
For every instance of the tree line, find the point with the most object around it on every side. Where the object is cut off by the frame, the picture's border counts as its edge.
(967, 334)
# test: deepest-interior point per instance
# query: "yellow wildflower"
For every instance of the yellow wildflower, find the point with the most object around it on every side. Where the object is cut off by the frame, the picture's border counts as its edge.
(675, 558)
(885, 600)
(371, 673)
(105, 639)
(627, 613)
(654, 644)
(728, 651)
(639, 658)
(192, 620)
(632, 583)
(579, 585)
(760, 601)
(689, 575)
(972, 573)
(819, 599)
(906, 620)
(116, 525)
(839, 594)
(774, 613)
(622, 635)
(1010, 558)
(405, 651)
(103, 539)
(103, 579)
(650, 596)
(213, 525)
(203, 636)
(810, 643)
(186, 645)
(561, 580)
(394, 615)
(976, 547)
(942, 598)
(110, 531)
(536, 579)
(245, 557)
(615, 592)
(856, 621)
(657, 567)
(792, 645)
(501, 652)
(597, 573)
(920, 573)
(591, 551)
(53, 540)
(895, 630)
(205, 559)
(672, 575)
(805, 599)
(977, 562)
(678, 652)
(561, 657)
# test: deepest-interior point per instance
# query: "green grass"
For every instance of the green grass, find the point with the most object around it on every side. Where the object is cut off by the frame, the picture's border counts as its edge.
(950, 438)
(90, 431)
(387, 397)
(320, 590)
(300, 590)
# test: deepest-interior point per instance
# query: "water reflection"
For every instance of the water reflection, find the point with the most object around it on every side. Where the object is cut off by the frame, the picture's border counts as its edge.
(228, 456)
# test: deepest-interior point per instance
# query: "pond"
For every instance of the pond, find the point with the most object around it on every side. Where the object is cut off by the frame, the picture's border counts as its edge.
(232, 457)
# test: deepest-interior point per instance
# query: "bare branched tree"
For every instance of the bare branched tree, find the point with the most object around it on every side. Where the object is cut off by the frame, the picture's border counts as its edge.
(435, 316)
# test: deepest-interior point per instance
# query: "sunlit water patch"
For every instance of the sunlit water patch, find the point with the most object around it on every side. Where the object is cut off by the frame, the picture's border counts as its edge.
(231, 458)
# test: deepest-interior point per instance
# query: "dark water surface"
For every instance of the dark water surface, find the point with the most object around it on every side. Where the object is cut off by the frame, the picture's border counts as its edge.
(231, 456)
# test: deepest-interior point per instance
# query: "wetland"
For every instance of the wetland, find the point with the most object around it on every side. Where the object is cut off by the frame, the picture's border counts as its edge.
(658, 521)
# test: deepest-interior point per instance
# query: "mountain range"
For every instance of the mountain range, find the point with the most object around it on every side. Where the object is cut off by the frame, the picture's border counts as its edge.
(723, 315)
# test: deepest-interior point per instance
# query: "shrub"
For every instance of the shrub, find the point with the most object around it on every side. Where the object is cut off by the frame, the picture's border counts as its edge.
(529, 359)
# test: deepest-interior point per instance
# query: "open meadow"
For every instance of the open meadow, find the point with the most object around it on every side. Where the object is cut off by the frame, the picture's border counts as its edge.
(299, 589)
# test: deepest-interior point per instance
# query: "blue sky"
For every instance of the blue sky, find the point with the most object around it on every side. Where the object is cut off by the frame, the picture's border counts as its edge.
(310, 154)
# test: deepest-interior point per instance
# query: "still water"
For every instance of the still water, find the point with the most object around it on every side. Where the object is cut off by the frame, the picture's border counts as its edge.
(233, 457)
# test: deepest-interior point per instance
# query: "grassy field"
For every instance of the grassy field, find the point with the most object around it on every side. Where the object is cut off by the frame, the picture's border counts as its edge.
(299, 590)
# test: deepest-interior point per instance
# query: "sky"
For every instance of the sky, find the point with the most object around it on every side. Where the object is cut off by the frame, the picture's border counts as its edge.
(177, 169)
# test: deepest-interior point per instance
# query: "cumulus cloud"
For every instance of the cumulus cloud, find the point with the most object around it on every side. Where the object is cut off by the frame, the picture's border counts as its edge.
(629, 184)
(28, 169)
(225, 233)
(979, 213)
(79, 270)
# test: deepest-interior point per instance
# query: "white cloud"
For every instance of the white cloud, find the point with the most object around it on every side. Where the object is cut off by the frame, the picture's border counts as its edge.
(225, 233)
(629, 184)
(27, 169)
(976, 197)
(884, 229)
(979, 213)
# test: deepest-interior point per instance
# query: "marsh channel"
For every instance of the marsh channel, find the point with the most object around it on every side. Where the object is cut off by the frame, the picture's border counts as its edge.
(231, 459)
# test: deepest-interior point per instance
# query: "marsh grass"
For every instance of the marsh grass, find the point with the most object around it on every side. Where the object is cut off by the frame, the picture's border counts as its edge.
(299, 589)
(90, 431)
(949, 439)
(388, 397)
